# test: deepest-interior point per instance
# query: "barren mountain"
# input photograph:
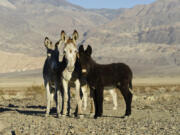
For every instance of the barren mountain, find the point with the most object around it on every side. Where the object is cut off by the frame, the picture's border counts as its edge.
(145, 30)
(24, 26)
(145, 36)
(158, 22)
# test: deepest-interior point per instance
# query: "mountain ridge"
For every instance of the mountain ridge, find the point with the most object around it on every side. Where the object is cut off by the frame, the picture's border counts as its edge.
(144, 37)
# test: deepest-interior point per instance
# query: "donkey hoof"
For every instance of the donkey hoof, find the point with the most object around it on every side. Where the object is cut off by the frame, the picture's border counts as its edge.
(58, 115)
(114, 108)
(81, 116)
(64, 116)
(91, 114)
(75, 114)
(46, 115)
(95, 116)
(127, 113)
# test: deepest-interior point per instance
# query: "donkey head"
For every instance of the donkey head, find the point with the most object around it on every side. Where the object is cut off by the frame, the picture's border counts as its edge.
(52, 53)
(70, 48)
(85, 58)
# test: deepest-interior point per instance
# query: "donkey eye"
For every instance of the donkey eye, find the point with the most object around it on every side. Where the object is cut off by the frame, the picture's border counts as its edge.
(64, 52)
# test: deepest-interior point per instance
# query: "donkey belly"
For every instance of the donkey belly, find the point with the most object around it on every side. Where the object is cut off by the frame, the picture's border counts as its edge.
(108, 88)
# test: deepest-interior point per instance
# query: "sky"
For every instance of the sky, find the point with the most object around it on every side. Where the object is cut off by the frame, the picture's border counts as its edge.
(113, 4)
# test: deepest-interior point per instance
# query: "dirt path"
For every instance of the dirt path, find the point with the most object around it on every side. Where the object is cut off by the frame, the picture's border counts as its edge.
(153, 112)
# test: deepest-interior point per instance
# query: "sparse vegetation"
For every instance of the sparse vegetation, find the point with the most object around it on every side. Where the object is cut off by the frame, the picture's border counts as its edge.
(40, 90)
(1, 92)
(36, 89)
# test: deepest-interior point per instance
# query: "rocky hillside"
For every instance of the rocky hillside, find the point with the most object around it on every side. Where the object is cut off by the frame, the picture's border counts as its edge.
(24, 23)
(157, 23)
(145, 36)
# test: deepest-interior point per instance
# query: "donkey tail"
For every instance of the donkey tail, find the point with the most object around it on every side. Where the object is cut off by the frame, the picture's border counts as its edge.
(130, 85)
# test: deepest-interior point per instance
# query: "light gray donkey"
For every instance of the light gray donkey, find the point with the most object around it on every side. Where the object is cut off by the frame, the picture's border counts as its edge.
(72, 71)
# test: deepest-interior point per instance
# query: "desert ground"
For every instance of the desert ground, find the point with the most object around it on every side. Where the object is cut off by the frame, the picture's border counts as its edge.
(155, 110)
(145, 37)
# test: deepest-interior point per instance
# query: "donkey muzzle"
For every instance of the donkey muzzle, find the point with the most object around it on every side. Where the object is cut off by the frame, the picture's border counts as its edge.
(84, 71)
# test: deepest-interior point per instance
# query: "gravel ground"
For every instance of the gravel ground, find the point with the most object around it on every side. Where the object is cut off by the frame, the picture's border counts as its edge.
(153, 112)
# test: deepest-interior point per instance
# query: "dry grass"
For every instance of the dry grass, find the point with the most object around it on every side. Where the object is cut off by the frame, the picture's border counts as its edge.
(147, 88)
(36, 89)
(33, 90)
(22, 92)
(1, 92)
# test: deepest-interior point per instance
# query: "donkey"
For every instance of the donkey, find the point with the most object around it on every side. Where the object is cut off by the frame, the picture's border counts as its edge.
(51, 75)
(99, 76)
(72, 71)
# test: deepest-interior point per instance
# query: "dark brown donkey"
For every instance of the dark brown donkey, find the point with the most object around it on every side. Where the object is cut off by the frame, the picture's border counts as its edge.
(99, 76)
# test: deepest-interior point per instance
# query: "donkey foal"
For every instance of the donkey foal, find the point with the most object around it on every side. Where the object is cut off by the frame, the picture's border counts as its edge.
(117, 75)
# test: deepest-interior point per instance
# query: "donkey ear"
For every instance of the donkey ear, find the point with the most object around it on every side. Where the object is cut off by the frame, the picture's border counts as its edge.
(46, 41)
(89, 50)
(75, 35)
(63, 35)
(81, 49)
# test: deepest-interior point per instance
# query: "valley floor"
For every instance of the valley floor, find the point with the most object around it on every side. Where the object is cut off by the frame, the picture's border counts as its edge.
(155, 110)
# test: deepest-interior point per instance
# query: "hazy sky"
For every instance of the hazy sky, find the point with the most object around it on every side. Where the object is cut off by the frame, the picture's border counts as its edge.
(109, 3)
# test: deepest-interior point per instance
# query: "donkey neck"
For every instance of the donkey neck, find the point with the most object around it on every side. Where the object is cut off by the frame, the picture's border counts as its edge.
(93, 66)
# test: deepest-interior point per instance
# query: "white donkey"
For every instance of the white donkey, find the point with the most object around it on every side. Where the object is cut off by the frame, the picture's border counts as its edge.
(72, 70)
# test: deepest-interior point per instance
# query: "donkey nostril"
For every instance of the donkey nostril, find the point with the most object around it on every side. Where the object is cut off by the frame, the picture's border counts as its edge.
(70, 51)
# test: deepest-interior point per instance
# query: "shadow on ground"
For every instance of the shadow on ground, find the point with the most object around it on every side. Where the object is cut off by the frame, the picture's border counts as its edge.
(27, 110)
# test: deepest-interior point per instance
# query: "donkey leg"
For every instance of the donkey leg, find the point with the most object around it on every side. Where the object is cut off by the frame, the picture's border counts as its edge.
(65, 86)
(92, 101)
(78, 97)
(99, 101)
(114, 97)
(127, 97)
(58, 101)
(101, 98)
(69, 101)
(48, 99)
(84, 91)
(62, 99)
(95, 98)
